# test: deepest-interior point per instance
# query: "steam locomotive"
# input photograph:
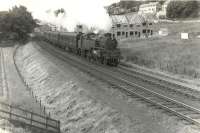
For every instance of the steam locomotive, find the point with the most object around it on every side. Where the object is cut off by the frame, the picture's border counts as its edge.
(102, 49)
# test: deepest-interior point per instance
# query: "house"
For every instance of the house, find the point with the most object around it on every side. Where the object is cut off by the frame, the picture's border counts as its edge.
(131, 25)
(163, 13)
(152, 7)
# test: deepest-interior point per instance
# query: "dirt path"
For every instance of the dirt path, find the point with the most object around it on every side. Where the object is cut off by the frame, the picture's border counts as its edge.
(18, 94)
(13, 90)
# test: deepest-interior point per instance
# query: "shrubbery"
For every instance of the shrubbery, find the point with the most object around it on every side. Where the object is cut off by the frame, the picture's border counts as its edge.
(183, 9)
(17, 22)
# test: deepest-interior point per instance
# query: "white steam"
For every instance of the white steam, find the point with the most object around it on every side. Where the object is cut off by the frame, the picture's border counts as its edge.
(87, 12)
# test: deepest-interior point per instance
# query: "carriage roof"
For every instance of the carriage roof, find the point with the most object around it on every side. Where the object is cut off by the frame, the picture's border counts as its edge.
(63, 33)
(68, 33)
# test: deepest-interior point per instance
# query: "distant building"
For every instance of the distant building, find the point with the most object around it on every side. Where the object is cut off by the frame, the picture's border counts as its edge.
(49, 27)
(163, 13)
(53, 27)
(131, 25)
(62, 29)
(152, 7)
(42, 28)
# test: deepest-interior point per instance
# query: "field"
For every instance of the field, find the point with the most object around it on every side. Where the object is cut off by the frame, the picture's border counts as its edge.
(170, 53)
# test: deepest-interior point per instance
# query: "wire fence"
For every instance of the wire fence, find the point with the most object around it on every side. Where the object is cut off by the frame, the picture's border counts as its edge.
(28, 118)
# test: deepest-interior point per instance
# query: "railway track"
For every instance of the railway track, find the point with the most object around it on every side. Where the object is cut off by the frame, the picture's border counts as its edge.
(163, 83)
(183, 111)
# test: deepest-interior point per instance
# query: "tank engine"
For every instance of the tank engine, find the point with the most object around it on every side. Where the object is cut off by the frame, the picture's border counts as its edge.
(94, 47)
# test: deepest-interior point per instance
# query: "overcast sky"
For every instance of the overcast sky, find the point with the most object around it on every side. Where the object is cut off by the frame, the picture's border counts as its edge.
(89, 12)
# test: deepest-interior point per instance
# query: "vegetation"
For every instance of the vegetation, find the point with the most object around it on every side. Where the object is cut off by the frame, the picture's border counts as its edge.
(183, 9)
(17, 22)
(131, 6)
(169, 54)
(59, 11)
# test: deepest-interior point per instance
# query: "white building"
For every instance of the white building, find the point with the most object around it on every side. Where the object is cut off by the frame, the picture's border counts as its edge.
(163, 12)
(152, 8)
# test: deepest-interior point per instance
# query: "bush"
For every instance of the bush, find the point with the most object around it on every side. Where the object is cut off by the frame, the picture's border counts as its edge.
(17, 21)
(182, 9)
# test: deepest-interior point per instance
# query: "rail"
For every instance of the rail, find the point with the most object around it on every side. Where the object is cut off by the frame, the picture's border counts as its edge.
(177, 108)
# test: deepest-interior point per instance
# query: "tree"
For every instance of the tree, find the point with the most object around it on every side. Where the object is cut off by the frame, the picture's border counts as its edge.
(59, 11)
(18, 21)
(3, 14)
(182, 9)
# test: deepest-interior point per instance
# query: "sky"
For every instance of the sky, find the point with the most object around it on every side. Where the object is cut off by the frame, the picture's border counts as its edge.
(88, 12)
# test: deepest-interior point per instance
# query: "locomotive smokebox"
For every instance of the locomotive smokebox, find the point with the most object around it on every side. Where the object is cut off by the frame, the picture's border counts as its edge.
(79, 28)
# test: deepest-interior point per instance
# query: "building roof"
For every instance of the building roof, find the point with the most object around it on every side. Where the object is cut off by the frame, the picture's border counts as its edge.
(135, 18)
(68, 33)
(132, 18)
(149, 17)
(119, 19)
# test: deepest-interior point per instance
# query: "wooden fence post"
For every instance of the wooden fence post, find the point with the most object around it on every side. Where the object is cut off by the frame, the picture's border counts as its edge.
(58, 126)
(36, 99)
(40, 104)
(46, 121)
(10, 111)
(44, 110)
(31, 117)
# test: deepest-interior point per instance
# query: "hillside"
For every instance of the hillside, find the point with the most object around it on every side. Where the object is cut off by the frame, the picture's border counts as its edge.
(169, 54)
(125, 6)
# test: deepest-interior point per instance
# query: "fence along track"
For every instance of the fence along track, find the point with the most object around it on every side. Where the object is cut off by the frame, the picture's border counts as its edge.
(24, 117)
(21, 116)
(177, 108)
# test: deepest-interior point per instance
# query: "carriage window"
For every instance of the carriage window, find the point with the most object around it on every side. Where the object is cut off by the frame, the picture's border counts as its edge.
(123, 33)
(113, 35)
(144, 24)
(136, 33)
(118, 33)
(118, 25)
(131, 33)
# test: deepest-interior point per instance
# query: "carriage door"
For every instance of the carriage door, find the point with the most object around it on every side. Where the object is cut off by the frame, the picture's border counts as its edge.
(126, 34)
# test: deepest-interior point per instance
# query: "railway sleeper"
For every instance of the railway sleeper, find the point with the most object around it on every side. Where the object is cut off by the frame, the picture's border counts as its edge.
(188, 113)
(171, 105)
(174, 106)
(194, 116)
(181, 109)
(156, 99)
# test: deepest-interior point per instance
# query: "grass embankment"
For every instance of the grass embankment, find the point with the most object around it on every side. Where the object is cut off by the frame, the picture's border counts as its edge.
(168, 53)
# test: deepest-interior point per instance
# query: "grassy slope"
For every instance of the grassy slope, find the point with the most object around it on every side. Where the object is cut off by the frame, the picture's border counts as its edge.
(168, 53)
